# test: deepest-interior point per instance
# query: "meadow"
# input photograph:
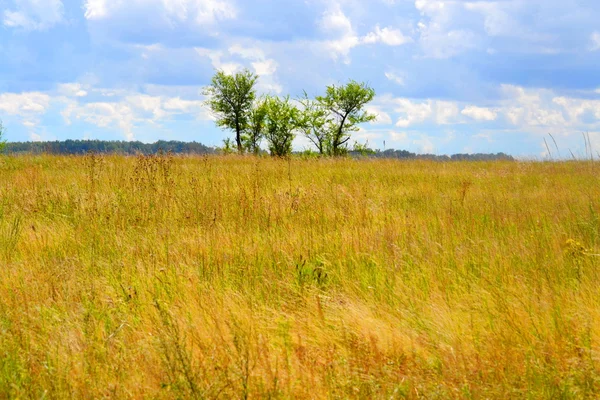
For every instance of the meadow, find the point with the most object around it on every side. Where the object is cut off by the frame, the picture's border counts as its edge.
(244, 277)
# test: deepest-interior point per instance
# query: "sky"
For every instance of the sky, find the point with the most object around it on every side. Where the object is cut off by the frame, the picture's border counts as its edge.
(451, 76)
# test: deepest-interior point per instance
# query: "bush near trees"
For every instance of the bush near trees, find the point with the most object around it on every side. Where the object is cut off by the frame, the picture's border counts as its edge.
(282, 122)
(257, 122)
(327, 121)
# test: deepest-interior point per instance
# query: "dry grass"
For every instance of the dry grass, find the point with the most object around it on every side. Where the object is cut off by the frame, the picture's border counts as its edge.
(255, 278)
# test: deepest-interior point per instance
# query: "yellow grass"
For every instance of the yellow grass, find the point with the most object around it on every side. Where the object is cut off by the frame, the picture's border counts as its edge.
(240, 277)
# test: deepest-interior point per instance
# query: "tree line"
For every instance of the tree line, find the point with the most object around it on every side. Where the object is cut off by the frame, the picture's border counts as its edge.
(75, 147)
(327, 120)
(105, 146)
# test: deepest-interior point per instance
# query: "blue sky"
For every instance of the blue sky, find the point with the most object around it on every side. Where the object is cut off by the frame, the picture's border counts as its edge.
(451, 76)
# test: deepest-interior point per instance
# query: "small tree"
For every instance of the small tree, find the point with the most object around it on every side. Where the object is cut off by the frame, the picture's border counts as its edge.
(2, 139)
(346, 107)
(283, 119)
(363, 149)
(314, 124)
(257, 120)
(227, 148)
(230, 99)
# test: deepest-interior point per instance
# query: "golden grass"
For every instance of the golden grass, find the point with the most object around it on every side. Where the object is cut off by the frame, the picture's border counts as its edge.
(238, 277)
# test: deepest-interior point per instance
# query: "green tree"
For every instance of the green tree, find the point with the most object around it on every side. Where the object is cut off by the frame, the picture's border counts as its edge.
(283, 119)
(257, 119)
(230, 98)
(363, 149)
(346, 107)
(314, 124)
(2, 139)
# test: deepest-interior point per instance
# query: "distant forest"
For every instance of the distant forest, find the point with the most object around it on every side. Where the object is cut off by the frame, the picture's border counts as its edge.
(103, 146)
(176, 147)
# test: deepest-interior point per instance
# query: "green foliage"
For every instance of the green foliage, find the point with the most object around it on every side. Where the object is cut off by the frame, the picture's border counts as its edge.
(254, 133)
(363, 149)
(314, 126)
(345, 105)
(2, 140)
(283, 119)
(227, 146)
(230, 98)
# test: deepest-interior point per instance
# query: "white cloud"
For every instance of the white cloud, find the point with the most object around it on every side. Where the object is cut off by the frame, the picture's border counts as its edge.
(266, 67)
(342, 37)
(24, 104)
(531, 107)
(595, 41)
(444, 30)
(578, 108)
(445, 112)
(248, 53)
(480, 113)
(383, 118)
(132, 110)
(413, 113)
(215, 57)
(72, 89)
(34, 14)
(173, 11)
(105, 115)
(334, 21)
(262, 65)
(395, 78)
(388, 36)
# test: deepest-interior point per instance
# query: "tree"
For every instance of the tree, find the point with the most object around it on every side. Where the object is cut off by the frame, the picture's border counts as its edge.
(346, 107)
(230, 99)
(314, 124)
(254, 133)
(283, 119)
(2, 140)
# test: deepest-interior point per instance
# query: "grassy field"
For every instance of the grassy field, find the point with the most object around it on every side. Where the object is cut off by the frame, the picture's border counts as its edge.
(238, 277)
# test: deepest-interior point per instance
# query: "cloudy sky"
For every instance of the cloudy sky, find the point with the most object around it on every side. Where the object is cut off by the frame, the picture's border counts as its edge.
(451, 76)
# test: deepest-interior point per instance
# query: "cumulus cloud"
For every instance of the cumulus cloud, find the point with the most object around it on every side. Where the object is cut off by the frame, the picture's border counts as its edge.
(341, 35)
(532, 108)
(441, 36)
(26, 104)
(128, 111)
(445, 112)
(595, 41)
(173, 11)
(479, 113)
(72, 89)
(34, 14)
(248, 56)
(412, 113)
(383, 118)
(388, 36)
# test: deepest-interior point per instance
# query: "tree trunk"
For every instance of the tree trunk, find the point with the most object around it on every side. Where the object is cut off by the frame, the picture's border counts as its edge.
(337, 138)
(238, 136)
